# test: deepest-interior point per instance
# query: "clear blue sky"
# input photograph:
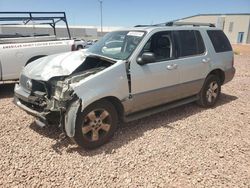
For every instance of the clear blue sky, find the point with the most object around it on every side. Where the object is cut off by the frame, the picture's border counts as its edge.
(127, 12)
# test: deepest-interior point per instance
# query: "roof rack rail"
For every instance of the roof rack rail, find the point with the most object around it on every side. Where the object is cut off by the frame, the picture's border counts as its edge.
(176, 23)
(195, 24)
(143, 25)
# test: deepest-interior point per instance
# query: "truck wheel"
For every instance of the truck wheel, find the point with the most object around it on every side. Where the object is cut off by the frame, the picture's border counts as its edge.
(34, 58)
(79, 47)
(210, 92)
(96, 125)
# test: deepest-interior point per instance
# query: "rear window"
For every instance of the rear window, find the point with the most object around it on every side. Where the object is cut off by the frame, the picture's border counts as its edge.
(190, 43)
(219, 41)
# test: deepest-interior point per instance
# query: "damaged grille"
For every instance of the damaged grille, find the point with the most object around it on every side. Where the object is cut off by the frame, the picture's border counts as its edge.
(31, 85)
(38, 86)
(37, 91)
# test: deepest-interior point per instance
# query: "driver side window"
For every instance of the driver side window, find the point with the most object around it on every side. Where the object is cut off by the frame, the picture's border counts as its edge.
(160, 44)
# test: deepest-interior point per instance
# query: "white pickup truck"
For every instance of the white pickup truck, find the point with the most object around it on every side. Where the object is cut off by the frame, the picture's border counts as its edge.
(17, 50)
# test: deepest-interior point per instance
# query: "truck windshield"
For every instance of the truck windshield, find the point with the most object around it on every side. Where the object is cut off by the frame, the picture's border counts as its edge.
(117, 45)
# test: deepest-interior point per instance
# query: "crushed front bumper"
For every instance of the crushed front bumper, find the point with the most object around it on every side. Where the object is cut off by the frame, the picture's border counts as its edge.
(21, 97)
(41, 116)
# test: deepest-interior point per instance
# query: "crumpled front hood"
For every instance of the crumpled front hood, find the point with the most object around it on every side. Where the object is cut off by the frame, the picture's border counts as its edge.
(54, 65)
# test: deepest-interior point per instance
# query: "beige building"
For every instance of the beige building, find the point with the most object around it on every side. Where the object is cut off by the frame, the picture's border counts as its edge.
(235, 26)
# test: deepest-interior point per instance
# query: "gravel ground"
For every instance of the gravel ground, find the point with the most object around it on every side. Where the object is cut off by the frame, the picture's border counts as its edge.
(184, 147)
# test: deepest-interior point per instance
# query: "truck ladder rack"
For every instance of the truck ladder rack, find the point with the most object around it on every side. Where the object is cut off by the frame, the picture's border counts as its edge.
(39, 18)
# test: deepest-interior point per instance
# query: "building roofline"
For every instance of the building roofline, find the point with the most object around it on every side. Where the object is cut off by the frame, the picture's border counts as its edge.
(228, 14)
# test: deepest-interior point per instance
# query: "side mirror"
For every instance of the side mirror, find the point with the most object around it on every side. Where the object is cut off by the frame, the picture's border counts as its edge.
(147, 57)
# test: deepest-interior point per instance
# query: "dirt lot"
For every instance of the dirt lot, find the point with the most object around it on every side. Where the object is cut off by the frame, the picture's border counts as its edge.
(184, 147)
(241, 49)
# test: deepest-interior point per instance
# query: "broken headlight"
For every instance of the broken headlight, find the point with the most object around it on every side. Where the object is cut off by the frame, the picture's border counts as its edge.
(61, 90)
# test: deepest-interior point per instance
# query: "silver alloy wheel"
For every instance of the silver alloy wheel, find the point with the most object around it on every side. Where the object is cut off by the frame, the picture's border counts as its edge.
(212, 91)
(96, 124)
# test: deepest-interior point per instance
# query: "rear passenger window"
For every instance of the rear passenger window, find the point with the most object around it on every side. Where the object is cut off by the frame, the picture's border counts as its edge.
(219, 41)
(189, 43)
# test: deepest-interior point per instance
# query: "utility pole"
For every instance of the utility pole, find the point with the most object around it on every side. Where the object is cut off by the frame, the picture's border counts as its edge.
(100, 1)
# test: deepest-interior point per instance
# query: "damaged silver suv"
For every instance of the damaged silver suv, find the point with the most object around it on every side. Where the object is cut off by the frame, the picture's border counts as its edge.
(127, 75)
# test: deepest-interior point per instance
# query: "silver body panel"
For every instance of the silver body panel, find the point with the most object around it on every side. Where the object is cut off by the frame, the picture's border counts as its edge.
(111, 82)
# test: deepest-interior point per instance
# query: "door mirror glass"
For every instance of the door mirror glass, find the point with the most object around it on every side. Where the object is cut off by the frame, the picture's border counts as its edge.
(147, 57)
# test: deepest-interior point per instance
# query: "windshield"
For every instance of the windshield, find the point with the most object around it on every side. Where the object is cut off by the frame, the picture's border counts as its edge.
(117, 45)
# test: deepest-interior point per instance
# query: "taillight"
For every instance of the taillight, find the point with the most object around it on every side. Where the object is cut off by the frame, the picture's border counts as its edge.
(73, 47)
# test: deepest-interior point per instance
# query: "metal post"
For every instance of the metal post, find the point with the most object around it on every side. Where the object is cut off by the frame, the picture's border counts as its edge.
(100, 1)
(65, 20)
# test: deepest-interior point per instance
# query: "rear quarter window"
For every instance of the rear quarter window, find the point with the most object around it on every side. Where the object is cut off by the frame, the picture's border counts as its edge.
(219, 41)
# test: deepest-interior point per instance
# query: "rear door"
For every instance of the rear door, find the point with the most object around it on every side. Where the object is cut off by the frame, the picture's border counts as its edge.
(12, 60)
(193, 61)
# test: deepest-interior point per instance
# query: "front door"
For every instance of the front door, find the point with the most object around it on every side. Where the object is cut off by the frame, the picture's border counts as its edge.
(157, 82)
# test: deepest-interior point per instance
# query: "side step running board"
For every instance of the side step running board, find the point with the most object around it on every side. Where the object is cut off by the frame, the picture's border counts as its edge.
(158, 109)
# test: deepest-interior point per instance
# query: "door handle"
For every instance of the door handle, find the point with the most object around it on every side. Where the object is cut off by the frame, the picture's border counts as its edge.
(206, 60)
(172, 66)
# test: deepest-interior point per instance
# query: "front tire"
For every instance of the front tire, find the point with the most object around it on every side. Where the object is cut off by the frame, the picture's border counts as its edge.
(210, 92)
(96, 125)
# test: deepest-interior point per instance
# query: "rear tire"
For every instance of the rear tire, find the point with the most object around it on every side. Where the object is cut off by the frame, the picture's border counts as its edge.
(96, 125)
(210, 92)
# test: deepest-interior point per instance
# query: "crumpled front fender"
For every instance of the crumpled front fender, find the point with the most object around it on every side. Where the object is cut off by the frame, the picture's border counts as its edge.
(70, 117)
(110, 82)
